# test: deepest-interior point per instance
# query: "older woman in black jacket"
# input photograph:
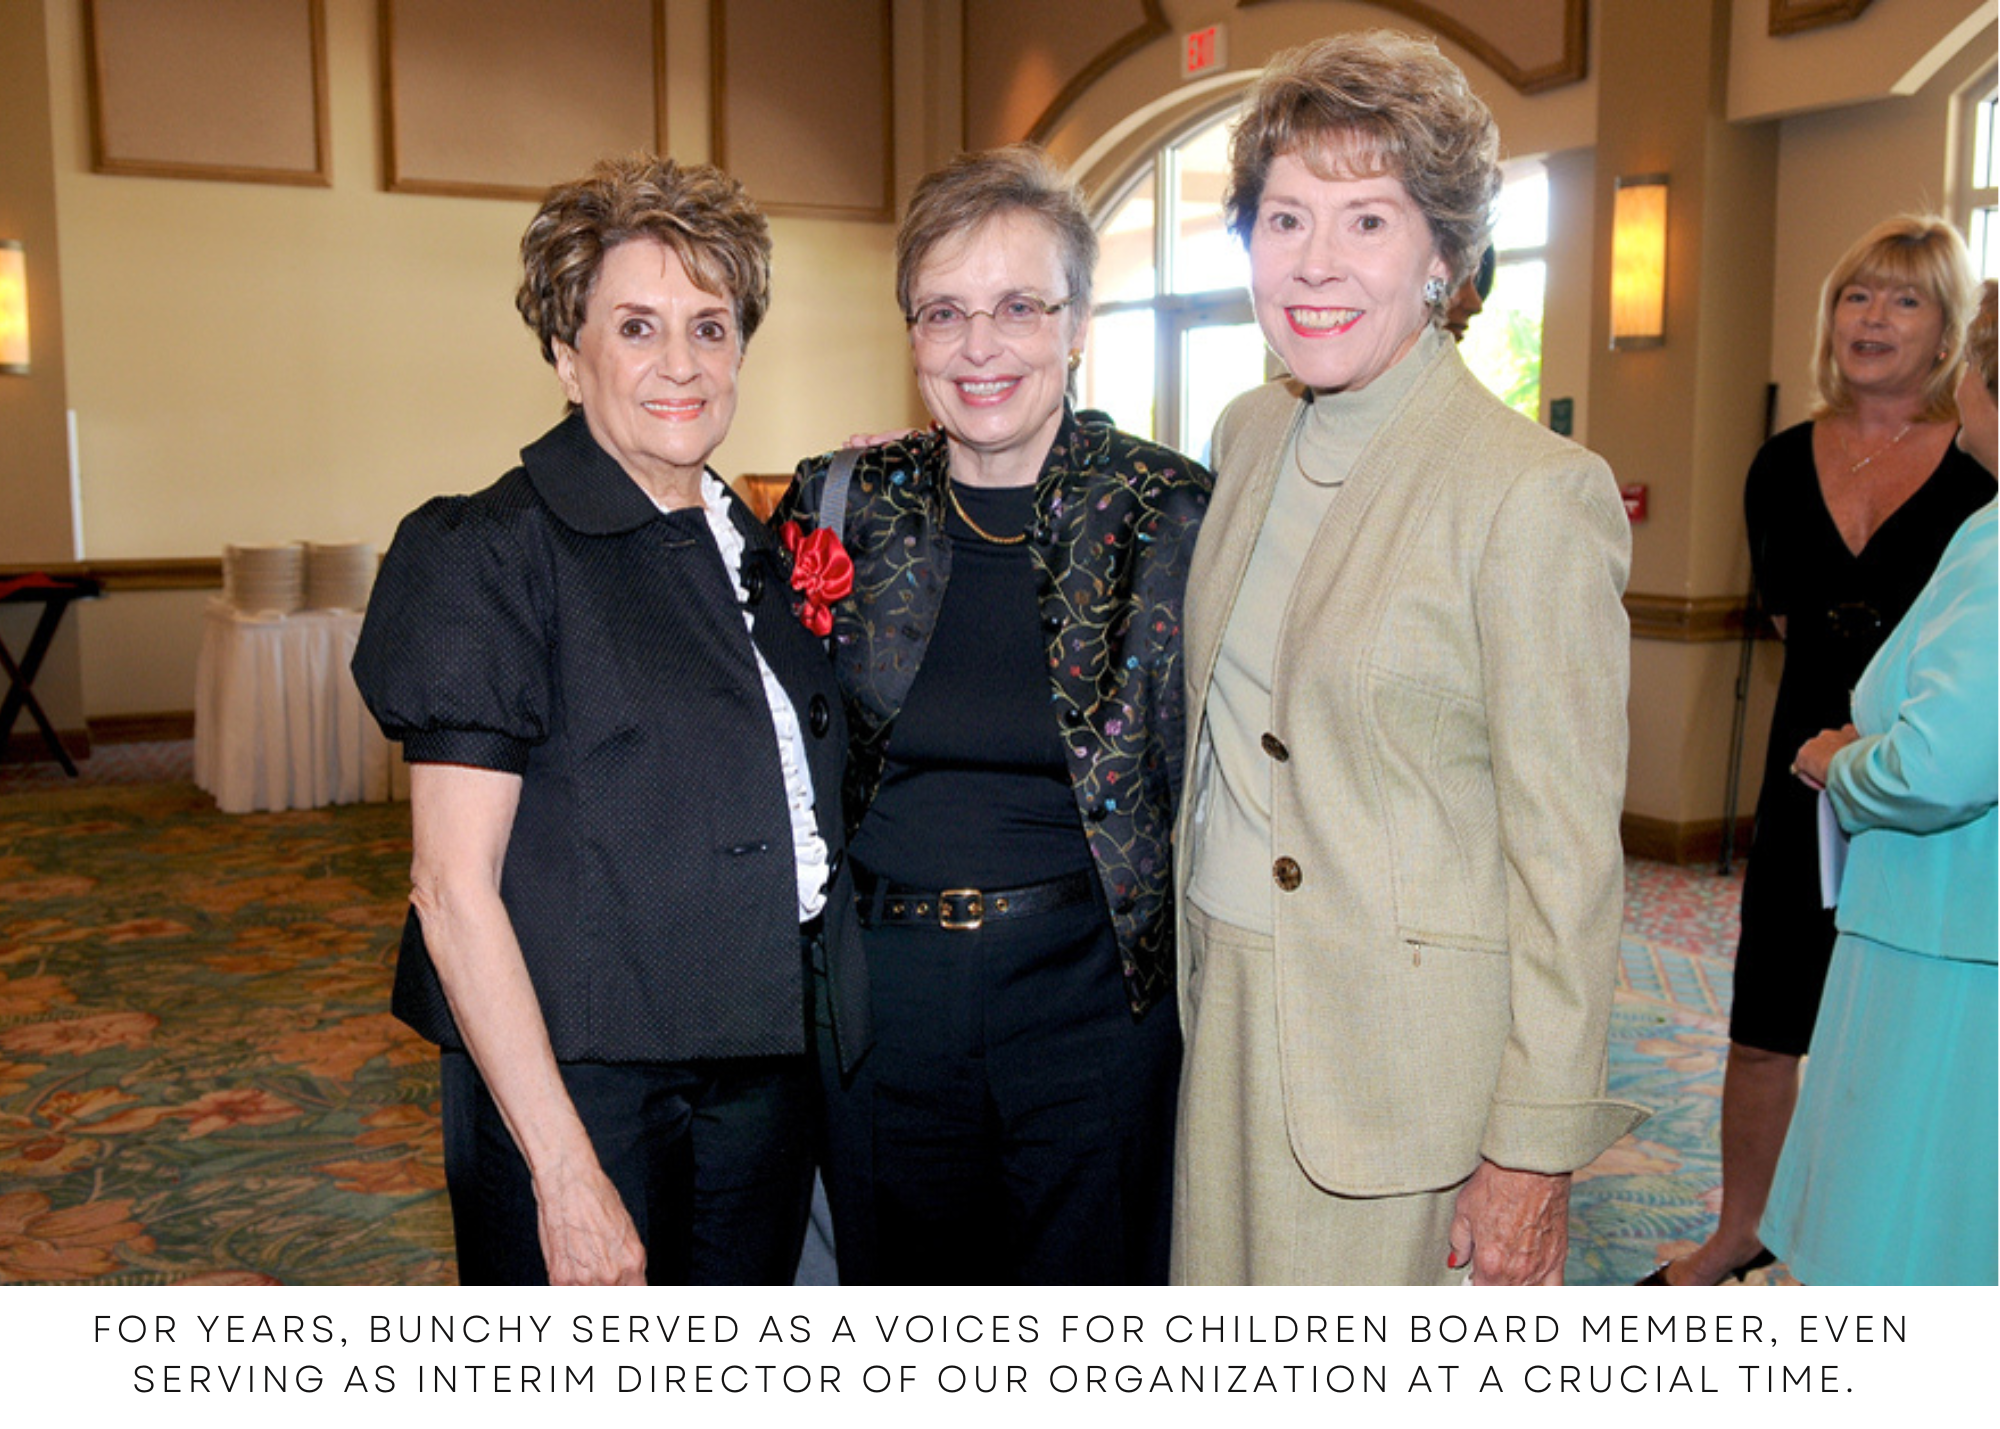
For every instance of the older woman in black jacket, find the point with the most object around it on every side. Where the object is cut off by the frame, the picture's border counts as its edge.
(626, 750)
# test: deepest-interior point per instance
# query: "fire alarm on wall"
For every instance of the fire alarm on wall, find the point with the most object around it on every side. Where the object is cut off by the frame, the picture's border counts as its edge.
(1635, 501)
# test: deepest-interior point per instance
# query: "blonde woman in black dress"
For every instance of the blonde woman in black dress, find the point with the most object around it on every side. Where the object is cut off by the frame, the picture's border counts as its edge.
(1848, 514)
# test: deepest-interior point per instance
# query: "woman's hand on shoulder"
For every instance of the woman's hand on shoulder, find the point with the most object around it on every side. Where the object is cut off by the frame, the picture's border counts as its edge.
(862, 440)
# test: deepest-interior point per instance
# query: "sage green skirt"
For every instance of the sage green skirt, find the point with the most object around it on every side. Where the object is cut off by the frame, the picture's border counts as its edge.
(1245, 1213)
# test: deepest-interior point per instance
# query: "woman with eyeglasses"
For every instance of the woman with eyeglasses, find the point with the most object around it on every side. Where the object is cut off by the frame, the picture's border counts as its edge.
(1848, 514)
(1010, 658)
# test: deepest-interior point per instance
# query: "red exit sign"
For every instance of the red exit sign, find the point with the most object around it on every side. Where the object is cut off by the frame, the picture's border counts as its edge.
(1204, 52)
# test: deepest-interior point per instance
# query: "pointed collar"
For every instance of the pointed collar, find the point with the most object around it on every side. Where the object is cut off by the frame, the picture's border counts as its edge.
(590, 493)
(583, 484)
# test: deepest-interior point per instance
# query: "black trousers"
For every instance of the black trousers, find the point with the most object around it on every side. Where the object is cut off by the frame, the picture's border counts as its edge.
(1013, 1123)
(712, 1159)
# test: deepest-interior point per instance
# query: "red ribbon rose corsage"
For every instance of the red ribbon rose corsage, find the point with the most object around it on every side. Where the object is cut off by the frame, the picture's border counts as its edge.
(822, 573)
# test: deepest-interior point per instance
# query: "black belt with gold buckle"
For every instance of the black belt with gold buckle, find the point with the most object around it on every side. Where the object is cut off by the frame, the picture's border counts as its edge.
(963, 910)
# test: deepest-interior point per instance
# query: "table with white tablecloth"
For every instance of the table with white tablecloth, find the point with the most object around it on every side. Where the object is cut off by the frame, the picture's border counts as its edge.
(278, 723)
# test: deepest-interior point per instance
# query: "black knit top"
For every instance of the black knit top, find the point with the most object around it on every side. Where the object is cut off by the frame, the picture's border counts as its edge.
(975, 790)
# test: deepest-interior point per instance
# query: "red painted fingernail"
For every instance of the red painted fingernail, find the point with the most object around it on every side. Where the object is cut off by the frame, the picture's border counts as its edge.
(1451, 1260)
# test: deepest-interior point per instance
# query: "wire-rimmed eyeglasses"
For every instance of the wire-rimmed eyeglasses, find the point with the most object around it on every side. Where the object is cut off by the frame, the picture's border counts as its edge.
(1016, 315)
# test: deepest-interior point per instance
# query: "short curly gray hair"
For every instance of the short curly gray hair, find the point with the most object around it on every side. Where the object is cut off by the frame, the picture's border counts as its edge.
(1380, 102)
(702, 215)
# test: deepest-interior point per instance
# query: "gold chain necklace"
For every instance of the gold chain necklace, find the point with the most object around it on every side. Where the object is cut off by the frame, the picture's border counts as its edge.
(1846, 450)
(951, 490)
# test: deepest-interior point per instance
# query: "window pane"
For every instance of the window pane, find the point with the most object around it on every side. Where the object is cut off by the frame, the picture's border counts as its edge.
(1523, 219)
(1503, 345)
(1205, 255)
(1216, 364)
(1125, 249)
(1117, 373)
(1982, 143)
(1985, 242)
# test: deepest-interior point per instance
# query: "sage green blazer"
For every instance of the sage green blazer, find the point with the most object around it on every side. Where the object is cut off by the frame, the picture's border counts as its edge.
(1447, 777)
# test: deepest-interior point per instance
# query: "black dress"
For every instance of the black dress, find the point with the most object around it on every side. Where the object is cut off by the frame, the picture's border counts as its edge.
(1838, 608)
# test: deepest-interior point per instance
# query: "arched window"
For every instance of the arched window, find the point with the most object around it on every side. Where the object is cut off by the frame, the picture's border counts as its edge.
(1173, 337)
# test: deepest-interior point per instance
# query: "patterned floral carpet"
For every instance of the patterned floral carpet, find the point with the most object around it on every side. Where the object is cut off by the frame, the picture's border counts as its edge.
(199, 1079)
(200, 1083)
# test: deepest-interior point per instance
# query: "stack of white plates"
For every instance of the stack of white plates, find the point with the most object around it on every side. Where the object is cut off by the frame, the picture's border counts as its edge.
(265, 579)
(338, 575)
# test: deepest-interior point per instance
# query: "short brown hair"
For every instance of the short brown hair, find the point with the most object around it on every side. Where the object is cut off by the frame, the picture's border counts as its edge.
(1920, 251)
(1979, 339)
(702, 215)
(973, 188)
(1381, 102)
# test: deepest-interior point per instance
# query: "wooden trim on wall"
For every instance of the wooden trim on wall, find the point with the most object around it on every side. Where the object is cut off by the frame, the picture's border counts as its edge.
(29, 748)
(395, 180)
(1680, 619)
(1788, 17)
(1686, 619)
(141, 728)
(157, 573)
(1693, 842)
(1150, 28)
(166, 726)
(1573, 66)
(882, 207)
(104, 161)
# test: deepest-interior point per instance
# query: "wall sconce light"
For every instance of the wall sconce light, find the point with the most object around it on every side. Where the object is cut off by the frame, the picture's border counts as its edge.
(1639, 262)
(13, 308)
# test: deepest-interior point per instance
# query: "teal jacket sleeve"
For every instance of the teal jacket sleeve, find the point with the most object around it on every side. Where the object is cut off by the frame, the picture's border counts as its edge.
(1934, 767)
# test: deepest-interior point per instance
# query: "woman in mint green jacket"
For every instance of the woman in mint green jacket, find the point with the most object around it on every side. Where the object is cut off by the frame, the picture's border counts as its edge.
(1888, 1175)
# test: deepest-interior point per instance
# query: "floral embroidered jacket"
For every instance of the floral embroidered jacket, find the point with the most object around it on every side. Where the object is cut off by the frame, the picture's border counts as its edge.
(1115, 525)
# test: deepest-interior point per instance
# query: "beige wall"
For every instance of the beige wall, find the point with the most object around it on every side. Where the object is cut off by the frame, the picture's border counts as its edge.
(1683, 706)
(255, 362)
(139, 651)
(1892, 47)
(258, 362)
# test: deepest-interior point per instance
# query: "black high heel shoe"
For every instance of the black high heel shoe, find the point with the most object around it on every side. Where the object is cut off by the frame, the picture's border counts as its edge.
(1756, 1262)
